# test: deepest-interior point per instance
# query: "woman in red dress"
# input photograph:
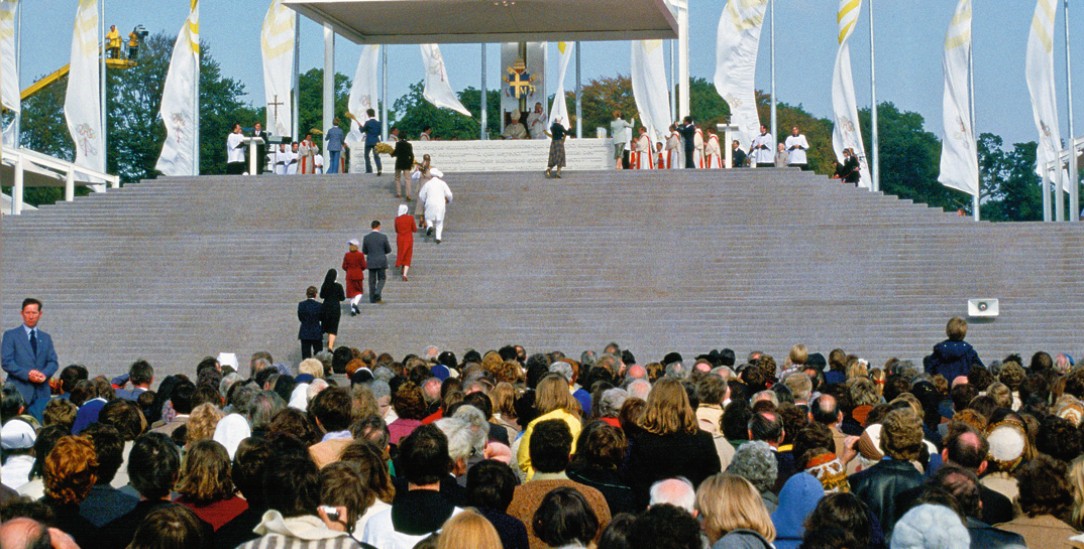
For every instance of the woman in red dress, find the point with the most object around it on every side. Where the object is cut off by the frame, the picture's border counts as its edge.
(354, 265)
(404, 239)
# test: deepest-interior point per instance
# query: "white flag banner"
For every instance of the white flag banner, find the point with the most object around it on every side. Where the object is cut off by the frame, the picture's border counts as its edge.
(959, 157)
(736, 63)
(82, 100)
(9, 94)
(364, 92)
(1040, 78)
(559, 108)
(847, 134)
(649, 88)
(438, 90)
(179, 101)
(277, 47)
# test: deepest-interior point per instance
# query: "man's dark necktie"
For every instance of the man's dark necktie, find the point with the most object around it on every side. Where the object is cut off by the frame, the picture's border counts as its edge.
(34, 341)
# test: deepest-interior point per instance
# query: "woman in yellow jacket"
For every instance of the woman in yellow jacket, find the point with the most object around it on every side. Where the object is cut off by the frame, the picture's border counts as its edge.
(553, 400)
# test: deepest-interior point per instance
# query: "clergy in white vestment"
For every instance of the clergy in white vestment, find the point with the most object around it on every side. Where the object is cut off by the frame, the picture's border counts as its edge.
(307, 151)
(235, 152)
(673, 149)
(318, 163)
(713, 154)
(536, 122)
(278, 159)
(763, 149)
(796, 146)
(643, 151)
(698, 149)
(433, 197)
(295, 158)
(514, 129)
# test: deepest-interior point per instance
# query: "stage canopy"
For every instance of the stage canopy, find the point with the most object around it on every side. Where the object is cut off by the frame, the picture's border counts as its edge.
(473, 21)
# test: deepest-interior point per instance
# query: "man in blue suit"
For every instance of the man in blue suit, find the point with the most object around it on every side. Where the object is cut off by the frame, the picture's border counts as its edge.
(372, 128)
(29, 358)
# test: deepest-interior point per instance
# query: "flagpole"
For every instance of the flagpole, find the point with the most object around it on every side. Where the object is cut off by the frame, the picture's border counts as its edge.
(195, 99)
(673, 85)
(771, 42)
(974, 133)
(1074, 169)
(19, 66)
(296, 83)
(101, 90)
(483, 104)
(329, 88)
(579, 96)
(384, 93)
(875, 168)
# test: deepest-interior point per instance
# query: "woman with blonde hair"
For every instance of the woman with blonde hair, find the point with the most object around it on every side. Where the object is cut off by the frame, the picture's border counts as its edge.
(468, 529)
(1076, 485)
(669, 442)
(504, 408)
(202, 423)
(733, 513)
(553, 400)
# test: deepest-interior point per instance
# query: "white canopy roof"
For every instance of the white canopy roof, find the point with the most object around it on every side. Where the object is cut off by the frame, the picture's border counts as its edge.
(471, 21)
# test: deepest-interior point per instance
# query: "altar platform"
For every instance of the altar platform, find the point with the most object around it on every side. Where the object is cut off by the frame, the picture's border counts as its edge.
(499, 155)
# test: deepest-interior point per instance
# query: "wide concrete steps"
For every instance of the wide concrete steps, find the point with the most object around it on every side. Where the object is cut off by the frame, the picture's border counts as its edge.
(175, 269)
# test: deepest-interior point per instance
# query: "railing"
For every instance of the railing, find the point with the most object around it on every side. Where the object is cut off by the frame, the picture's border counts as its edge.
(18, 157)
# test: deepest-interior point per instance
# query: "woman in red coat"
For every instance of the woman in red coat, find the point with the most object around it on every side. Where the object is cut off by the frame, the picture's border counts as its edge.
(404, 239)
(354, 265)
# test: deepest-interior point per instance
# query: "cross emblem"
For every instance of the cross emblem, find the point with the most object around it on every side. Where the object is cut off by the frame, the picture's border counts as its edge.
(276, 104)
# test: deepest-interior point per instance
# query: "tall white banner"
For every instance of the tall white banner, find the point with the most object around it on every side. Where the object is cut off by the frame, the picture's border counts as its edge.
(736, 63)
(559, 109)
(847, 134)
(277, 47)
(179, 101)
(959, 157)
(9, 94)
(365, 90)
(649, 88)
(82, 100)
(1040, 78)
(438, 90)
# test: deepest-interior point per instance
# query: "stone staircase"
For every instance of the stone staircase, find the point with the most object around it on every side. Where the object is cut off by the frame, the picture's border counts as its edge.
(175, 269)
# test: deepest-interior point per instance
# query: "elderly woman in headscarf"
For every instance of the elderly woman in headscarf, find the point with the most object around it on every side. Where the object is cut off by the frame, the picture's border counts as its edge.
(333, 295)
(404, 239)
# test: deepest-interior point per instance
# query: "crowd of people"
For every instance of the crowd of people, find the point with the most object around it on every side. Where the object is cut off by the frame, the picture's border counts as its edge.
(505, 449)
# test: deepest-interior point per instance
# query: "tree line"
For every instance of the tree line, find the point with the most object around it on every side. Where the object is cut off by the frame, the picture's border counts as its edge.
(909, 162)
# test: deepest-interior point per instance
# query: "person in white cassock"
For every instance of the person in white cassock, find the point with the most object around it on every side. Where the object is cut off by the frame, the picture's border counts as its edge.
(293, 162)
(434, 197)
(698, 149)
(673, 149)
(235, 152)
(536, 122)
(797, 145)
(713, 155)
(279, 158)
(643, 151)
(763, 149)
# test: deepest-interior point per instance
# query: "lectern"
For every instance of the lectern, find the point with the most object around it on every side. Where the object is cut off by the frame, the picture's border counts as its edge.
(252, 143)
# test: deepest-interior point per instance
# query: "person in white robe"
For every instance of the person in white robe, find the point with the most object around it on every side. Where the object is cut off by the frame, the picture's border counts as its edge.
(673, 149)
(659, 156)
(318, 164)
(235, 151)
(434, 198)
(698, 149)
(763, 149)
(797, 145)
(292, 163)
(514, 129)
(643, 151)
(713, 154)
(536, 122)
(307, 152)
(278, 159)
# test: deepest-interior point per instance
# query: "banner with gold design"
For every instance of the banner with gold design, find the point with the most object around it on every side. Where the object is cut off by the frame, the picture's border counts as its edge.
(179, 103)
(82, 100)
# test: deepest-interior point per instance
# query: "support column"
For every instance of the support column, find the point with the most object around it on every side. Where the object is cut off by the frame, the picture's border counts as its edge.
(579, 95)
(296, 83)
(69, 186)
(683, 58)
(875, 166)
(101, 85)
(17, 188)
(329, 87)
(384, 93)
(1046, 194)
(483, 103)
(1074, 169)
(771, 49)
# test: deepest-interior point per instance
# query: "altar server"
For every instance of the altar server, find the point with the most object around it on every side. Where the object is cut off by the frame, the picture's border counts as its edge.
(763, 149)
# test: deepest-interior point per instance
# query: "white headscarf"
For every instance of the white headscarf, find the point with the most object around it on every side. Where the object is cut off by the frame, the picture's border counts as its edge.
(230, 431)
(403, 209)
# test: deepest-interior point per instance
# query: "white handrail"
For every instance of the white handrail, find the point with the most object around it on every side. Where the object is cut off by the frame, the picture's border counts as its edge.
(67, 170)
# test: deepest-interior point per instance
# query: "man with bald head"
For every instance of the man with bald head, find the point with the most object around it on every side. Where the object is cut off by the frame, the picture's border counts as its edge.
(966, 448)
(678, 492)
(825, 410)
(25, 533)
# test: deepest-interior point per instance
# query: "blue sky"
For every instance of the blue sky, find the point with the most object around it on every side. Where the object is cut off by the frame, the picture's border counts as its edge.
(908, 42)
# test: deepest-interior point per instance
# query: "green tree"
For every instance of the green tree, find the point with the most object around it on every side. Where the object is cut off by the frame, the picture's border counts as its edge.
(472, 100)
(413, 113)
(1010, 187)
(601, 97)
(911, 158)
(310, 103)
